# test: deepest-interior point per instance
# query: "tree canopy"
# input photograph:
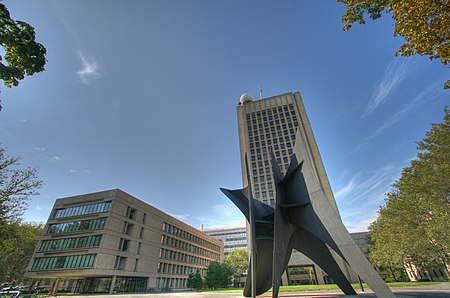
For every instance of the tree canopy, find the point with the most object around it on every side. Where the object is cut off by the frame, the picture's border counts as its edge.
(16, 187)
(22, 54)
(195, 280)
(413, 225)
(238, 261)
(17, 243)
(424, 24)
(218, 275)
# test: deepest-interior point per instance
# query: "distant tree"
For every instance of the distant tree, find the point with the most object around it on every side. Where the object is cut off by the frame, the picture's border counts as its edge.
(16, 248)
(238, 261)
(423, 23)
(218, 275)
(413, 226)
(16, 187)
(195, 280)
(23, 55)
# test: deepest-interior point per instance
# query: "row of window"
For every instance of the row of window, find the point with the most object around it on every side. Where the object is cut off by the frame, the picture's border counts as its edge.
(233, 232)
(169, 241)
(260, 144)
(273, 111)
(272, 126)
(64, 262)
(83, 210)
(241, 245)
(176, 269)
(168, 228)
(275, 137)
(168, 282)
(235, 239)
(276, 147)
(182, 257)
(269, 201)
(70, 243)
(81, 225)
(270, 129)
(265, 156)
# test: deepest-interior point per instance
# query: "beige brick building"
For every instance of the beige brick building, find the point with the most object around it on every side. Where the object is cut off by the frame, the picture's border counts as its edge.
(111, 241)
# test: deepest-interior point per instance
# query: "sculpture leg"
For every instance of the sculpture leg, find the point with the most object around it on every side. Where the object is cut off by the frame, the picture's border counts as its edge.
(263, 268)
(316, 250)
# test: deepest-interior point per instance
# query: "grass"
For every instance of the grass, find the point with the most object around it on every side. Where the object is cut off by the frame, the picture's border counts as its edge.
(328, 287)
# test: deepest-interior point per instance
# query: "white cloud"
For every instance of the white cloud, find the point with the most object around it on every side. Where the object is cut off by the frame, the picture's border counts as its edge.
(408, 160)
(182, 217)
(80, 171)
(347, 188)
(89, 69)
(219, 216)
(56, 158)
(428, 94)
(362, 197)
(40, 149)
(392, 77)
(39, 208)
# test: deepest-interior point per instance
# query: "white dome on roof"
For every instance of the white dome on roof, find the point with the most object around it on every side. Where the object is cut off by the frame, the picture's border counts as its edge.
(246, 97)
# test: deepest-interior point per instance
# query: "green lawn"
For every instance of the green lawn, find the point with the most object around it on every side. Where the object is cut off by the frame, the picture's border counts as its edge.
(330, 287)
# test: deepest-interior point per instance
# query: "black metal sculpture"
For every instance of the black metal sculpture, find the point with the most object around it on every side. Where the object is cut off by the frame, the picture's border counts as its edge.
(303, 219)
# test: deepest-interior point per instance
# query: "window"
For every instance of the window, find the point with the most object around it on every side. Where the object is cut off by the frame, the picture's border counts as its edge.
(141, 233)
(127, 228)
(120, 263)
(144, 218)
(124, 244)
(139, 248)
(136, 265)
(131, 212)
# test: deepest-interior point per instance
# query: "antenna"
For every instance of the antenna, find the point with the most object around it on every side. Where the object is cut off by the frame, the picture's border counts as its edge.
(260, 92)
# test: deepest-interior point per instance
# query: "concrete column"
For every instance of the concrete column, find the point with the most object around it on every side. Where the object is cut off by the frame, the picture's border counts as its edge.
(113, 284)
(55, 286)
(319, 274)
(284, 279)
(149, 285)
(30, 288)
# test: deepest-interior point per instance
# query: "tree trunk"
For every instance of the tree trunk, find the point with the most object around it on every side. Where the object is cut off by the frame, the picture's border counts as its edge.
(393, 274)
(427, 271)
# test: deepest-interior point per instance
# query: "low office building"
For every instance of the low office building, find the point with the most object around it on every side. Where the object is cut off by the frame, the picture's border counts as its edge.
(111, 242)
(233, 237)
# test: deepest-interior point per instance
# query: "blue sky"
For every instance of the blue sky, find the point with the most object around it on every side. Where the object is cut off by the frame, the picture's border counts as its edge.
(141, 96)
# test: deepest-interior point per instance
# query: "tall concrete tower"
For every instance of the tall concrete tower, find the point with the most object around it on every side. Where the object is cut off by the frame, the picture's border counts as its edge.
(269, 124)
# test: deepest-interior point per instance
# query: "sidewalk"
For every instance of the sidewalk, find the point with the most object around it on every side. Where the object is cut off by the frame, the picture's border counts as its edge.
(441, 290)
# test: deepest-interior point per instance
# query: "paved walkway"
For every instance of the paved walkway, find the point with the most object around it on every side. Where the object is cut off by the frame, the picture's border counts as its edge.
(441, 290)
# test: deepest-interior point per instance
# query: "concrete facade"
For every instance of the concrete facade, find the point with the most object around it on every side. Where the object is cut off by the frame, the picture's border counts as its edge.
(111, 241)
